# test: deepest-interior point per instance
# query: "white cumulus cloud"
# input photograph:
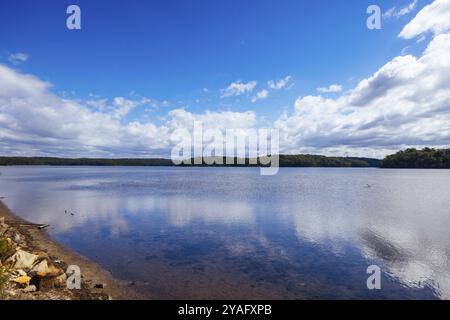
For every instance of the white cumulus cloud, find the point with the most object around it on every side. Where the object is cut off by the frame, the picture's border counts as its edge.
(334, 88)
(280, 84)
(405, 103)
(238, 88)
(263, 94)
(393, 12)
(35, 121)
(433, 18)
(18, 57)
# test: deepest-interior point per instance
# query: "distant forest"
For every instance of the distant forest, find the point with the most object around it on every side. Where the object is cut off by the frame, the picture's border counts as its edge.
(45, 161)
(410, 158)
(322, 161)
(285, 161)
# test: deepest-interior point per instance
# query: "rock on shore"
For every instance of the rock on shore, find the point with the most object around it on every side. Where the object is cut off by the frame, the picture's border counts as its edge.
(27, 274)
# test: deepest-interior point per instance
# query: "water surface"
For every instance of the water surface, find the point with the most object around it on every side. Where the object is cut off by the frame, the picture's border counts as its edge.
(194, 233)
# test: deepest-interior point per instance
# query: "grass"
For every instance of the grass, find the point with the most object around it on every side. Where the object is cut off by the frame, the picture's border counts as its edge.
(6, 249)
(4, 278)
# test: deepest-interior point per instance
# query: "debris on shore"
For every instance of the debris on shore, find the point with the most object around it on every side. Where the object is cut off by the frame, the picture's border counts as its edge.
(27, 273)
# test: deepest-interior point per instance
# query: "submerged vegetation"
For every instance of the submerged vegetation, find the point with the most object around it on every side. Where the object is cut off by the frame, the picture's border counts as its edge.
(412, 158)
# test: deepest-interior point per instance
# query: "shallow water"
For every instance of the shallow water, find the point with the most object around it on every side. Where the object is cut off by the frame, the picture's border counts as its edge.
(192, 233)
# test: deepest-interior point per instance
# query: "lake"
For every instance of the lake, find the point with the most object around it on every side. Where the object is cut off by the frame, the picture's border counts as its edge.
(229, 233)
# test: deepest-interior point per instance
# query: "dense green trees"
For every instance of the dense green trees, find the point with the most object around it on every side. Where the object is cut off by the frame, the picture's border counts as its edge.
(285, 161)
(36, 161)
(412, 158)
(322, 161)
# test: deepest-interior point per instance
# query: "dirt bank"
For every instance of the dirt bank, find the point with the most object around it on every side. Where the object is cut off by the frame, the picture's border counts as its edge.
(97, 283)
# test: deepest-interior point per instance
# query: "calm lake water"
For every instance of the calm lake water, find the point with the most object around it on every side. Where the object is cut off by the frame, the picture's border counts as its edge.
(193, 233)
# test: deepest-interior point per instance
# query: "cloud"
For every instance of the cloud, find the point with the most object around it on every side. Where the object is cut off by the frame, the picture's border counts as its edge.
(334, 88)
(17, 58)
(99, 104)
(280, 84)
(35, 121)
(182, 119)
(263, 94)
(120, 106)
(432, 18)
(405, 103)
(406, 10)
(124, 106)
(394, 13)
(238, 88)
(390, 13)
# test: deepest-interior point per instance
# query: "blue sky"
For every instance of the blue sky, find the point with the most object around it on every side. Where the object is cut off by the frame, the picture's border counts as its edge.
(184, 54)
(171, 50)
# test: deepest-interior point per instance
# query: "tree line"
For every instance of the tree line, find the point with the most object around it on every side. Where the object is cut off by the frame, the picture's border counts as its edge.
(50, 161)
(427, 158)
(409, 158)
(285, 161)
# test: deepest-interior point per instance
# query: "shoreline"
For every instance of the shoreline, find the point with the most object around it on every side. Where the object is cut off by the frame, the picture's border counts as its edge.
(39, 240)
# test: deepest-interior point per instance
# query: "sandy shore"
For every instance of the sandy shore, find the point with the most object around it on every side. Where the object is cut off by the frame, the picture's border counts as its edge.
(92, 273)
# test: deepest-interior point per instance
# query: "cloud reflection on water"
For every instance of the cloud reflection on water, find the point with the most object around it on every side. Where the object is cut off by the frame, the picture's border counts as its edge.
(400, 223)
